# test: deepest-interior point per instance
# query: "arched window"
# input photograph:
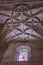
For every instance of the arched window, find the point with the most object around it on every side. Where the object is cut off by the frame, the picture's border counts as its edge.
(23, 53)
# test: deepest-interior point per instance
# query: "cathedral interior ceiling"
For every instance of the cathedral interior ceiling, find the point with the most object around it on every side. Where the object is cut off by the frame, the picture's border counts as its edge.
(21, 20)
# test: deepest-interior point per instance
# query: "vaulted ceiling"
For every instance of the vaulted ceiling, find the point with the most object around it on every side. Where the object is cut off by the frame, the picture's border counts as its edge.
(21, 21)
